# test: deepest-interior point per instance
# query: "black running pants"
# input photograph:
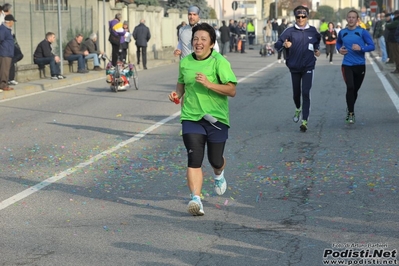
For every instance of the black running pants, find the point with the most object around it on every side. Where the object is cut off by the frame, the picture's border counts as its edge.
(353, 77)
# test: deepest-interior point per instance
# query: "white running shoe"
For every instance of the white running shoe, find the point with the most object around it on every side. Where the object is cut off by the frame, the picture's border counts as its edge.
(220, 184)
(12, 82)
(297, 114)
(195, 206)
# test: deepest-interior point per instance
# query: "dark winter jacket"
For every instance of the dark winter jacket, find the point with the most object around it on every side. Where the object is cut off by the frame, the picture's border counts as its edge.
(300, 56)
(90, 46)
(43, 50)
(73, 47)
(224, 34)
(141, 34)
(391, 27)
(6, 42)
(379, 29)
(281, 28)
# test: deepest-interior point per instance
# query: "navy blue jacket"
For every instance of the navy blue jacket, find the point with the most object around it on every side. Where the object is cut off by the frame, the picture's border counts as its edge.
(300, 56)
(141, 34)
(6, 42)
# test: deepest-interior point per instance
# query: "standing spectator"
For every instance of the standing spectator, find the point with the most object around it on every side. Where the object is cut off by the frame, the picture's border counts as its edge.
(353, 42)
(73, 52)
(125, 40)
(361, 24)
(44, 55)
(6, 51)
(184, 46)
(251, 32)
(206, 80)
(18, 55)
(386, 33)
(267, 32)
(182, 24)
(378, 35)
(274, 30)
(331, 39)
(338, 28)
(215, 27)
(233, 35)
(323, 29)
(238, 32)
(90, 45)
(392, 44)
(224, 38)
(4, 11)
(302, 43)
(115, 33)
(242, 29)
(281, 29)
(142, 35)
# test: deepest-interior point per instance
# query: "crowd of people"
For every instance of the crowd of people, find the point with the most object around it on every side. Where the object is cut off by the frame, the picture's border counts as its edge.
(78, 49)
(386, 33)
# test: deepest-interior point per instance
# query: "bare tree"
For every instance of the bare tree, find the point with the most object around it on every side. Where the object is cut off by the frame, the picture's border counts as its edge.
(291, 4)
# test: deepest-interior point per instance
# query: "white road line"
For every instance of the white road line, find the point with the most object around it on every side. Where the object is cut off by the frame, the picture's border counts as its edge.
(253, 74)
(27, 192)
(6, 203)
(387, 86)
(45, 91)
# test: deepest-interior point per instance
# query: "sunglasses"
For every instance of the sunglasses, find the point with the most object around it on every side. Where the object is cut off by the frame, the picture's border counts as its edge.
(302, 17)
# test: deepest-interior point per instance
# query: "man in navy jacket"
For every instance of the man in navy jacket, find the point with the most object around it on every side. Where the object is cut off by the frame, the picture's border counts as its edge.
(142, 35)
(6, 51)
(302, 44)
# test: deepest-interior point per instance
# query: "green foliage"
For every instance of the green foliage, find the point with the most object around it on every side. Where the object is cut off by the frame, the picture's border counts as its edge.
(147, 2)
(183, 5)
(326, 12)
(315, 15)
(212, 13)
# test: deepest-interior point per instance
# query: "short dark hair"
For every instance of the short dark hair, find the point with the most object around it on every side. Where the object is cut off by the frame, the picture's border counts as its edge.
(205, 27)
(6, 7)
(353, 11)
(301, 7)
(48, 34)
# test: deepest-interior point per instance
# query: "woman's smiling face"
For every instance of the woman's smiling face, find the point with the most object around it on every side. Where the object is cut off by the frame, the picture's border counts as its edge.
(202, 44)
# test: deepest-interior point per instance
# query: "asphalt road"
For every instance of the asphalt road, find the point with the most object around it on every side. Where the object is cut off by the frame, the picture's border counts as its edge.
(92, 177)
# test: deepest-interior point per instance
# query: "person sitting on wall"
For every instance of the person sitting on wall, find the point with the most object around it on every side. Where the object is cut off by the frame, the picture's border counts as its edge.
(90, 45)
(44, 55)
(72, 52)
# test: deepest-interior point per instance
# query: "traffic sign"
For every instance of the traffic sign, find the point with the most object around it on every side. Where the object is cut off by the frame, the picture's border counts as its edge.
(373, 6)
(234, 5)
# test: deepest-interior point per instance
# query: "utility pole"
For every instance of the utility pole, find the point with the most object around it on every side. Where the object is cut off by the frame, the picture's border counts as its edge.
(60, 37)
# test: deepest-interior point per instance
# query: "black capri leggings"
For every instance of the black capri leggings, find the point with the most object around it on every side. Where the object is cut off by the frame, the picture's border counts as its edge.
(195, 145)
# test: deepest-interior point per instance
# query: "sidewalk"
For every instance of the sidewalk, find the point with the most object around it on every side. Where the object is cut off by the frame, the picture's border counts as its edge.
(386, 69)
(74, 78)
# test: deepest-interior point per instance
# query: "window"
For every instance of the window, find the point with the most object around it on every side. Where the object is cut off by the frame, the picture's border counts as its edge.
(50, 5)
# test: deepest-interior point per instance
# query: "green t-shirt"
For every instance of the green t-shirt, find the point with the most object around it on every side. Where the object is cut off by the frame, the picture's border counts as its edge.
(199, 100)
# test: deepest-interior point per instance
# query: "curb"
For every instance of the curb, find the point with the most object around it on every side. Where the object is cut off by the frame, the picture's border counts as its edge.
(386, 69)
(48, 84)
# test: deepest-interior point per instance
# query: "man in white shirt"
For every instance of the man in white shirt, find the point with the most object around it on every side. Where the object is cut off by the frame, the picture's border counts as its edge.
(184, 47)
